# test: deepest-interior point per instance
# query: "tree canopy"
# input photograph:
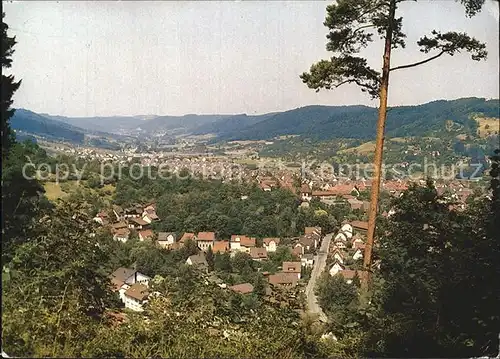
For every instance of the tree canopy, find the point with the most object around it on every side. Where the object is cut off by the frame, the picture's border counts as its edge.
(355, 24)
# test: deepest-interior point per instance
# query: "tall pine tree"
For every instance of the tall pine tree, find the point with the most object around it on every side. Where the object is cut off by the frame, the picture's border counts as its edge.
(9, 86)
(353, 25)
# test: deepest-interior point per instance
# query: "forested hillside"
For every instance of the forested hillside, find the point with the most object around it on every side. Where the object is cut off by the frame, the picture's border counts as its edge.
(230, 124)
(323, 122)
(33, 123)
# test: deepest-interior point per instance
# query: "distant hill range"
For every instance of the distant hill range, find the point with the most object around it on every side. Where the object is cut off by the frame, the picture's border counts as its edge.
(28, 124)
(316, 122)
(325, 122)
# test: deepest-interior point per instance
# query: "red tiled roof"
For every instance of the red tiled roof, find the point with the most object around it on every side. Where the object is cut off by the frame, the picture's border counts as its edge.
(308, 240)
(186, 236)
(122, 232)
(244, 240)
(305, 188)
(311, 230)
(152, 205)
(283, 278)
(350, 274)
(176, 245)
(248, 242)
(206, 236)
(323, 193)
(147, 233)
(116, 284)
(119, 225)
(291, 267)
(243, 288)
(395, 185)
(356, 237)
(138, 291)
(348, 196)
(220, 246)
(269, 240)
(264, 186)
(337, 250)
(138, 221)
(338, 190)
(152, 214)
(360, 247)
(258, 253)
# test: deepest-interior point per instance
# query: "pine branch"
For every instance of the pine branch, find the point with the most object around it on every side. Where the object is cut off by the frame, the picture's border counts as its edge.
(417, 63)
(361, 28)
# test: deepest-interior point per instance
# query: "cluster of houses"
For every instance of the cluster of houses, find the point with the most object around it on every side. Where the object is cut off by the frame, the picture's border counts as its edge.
(303, 247)
(347, 249)
(282, 180)
(134, 290)
(133, 286)
(348, 192)
(123, 221)
(288, 277)
(237, 243)
(339, 194)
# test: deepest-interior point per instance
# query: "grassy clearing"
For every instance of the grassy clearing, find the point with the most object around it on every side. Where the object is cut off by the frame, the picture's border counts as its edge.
(363, 149)
(53, 191)
(399, 139)
(488, 126)
(246, 161)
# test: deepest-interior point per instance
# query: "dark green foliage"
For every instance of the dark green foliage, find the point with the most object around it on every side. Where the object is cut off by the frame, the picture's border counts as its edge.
(451, 43)
(445, 304)
(22, 197)
(259, 286)
(192, 205)
(8, 87)
(229, 124)
(210, 259)
(334, 293)
(222, 262)
(56, 288)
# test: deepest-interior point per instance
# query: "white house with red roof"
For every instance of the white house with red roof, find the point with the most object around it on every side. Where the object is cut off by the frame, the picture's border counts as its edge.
(205, 240)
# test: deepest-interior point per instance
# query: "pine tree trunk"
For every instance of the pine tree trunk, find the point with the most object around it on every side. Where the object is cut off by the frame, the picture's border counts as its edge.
(379, 146)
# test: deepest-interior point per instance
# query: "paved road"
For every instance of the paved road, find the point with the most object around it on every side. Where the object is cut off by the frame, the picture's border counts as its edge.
(319, 266)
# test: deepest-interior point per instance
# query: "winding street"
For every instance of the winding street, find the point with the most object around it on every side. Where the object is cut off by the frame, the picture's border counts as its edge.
(318, 268)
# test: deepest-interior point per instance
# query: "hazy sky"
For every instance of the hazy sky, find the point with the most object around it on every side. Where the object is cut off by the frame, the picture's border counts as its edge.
(89, 58)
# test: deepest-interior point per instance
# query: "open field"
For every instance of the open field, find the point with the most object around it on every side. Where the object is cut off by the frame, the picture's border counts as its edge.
(399, 139)
(364, 149)
(488, 126)
(246, 161)
(53, 191)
